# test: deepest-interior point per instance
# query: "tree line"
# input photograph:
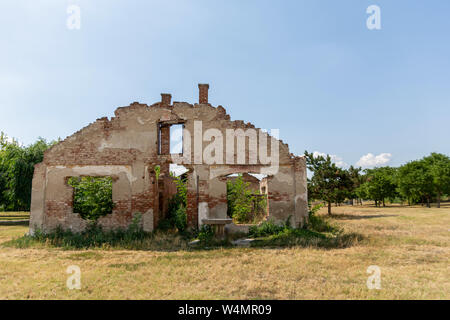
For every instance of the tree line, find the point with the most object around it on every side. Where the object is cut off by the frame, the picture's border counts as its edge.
(420, 181)
(423, 181)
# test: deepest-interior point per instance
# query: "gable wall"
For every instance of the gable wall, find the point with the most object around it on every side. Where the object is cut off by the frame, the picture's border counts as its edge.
(126, 148)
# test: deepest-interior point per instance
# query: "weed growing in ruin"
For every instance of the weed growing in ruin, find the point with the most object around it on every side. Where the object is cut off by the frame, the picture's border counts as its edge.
(244, 204)
(318, 232)
(92, 196)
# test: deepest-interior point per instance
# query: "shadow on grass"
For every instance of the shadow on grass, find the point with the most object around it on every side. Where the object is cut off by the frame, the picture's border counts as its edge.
(15, 216)
(444, 204)
(14, 222)
(343, 216)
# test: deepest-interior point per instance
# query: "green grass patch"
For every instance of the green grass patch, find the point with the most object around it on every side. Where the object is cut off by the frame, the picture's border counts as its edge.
(308, 238)
(318, 232)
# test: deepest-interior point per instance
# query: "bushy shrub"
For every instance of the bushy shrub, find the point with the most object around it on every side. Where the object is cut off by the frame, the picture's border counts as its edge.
(318, 223)
(180, 218)
(136, 225)
(92, 196)
(206, 234)
(272, 234)
(317, 233)
(176, 216)
(308, 238)
(93, 236)
(244, 205)
(266, 228)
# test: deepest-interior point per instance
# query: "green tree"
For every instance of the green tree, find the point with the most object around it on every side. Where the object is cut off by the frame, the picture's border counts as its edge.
(16, 172)
(425, 179)
(329, 182)
(439, 166)
(361, 191)
(415, 181)
(357, 180)
(380, 184)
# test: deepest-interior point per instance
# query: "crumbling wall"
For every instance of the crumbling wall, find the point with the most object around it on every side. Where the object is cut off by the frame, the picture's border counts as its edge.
(130, 145)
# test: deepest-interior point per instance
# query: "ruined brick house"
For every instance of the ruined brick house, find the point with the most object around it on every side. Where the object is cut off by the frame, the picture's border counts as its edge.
(131, 144)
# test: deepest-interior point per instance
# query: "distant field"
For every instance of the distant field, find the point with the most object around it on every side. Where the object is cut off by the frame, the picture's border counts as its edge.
(411, 245)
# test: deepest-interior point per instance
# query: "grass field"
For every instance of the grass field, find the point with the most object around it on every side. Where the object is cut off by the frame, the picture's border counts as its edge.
(411, 245)
(6, 216)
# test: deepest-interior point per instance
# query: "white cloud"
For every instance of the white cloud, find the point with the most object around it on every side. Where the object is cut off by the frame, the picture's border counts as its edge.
(370, 160)
(336, 159)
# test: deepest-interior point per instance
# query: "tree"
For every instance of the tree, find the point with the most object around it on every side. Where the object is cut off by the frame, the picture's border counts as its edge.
(16, 172)
(239, 199)
(439, 166)
(357, 180)
(425, 178)
(329, 182)
(380, 184)
(415, 181)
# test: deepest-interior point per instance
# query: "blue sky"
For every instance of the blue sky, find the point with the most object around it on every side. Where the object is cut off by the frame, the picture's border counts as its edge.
(310, 68)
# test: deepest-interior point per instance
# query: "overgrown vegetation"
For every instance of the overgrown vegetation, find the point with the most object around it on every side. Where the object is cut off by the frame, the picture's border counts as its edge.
(92, 196)
(318, 232)
(157, 170)
(206, 234)
(176, 216)
(319, 223)
(244, 204)
(132, 238)
(94, 236)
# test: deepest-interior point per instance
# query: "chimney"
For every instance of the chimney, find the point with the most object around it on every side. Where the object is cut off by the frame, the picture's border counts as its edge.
(165, 99)
(203, 93)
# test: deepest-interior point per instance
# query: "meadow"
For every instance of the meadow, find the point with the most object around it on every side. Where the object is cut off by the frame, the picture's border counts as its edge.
(410, 245)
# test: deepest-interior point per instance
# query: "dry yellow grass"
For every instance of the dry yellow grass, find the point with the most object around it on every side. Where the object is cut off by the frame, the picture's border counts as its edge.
(14, 215)
(410, 245)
